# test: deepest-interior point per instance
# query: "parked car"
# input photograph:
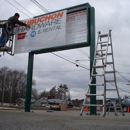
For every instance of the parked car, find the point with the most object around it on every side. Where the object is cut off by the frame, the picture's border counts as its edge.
(46, 105)
(125, 104)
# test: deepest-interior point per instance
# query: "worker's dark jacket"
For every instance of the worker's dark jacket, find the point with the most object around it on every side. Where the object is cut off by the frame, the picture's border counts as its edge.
(13, 20)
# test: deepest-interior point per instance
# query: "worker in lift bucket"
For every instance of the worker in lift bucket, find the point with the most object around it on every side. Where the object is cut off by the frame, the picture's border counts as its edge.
(12, 22)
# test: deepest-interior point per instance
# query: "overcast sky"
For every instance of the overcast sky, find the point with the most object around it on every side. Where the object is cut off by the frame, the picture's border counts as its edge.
(50, 70)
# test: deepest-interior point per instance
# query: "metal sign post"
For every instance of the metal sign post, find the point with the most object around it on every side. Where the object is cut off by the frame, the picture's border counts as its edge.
(80, 17)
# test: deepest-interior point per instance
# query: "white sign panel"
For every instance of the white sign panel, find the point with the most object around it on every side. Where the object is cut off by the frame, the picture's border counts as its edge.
(76, 27)
(46, 31)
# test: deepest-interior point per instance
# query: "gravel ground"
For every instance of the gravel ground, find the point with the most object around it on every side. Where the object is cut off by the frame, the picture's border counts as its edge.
(61, 120)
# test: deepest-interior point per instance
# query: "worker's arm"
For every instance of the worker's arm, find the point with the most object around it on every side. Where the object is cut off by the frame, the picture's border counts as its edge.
(21, 23)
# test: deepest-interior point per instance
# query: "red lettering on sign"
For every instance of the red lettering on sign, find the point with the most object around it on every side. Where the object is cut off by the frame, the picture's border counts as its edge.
(21, 36)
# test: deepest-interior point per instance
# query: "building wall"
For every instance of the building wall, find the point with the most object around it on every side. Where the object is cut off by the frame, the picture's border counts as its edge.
(41, 101)
(20, 102)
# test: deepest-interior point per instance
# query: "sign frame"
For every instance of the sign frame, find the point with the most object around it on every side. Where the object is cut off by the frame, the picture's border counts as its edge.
(77, 8)
(90, 42)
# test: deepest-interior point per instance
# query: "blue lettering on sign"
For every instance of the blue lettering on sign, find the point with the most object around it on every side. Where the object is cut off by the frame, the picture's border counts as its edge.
(33, 34)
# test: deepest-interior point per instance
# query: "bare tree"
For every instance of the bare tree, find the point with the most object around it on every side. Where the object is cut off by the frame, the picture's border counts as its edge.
(44, 94)
(12, 84)
(63, 90)
(34, 93)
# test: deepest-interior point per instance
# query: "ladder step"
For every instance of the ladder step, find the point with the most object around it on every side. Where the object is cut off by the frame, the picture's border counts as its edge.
(109, 72)
(99, 58)
(93, 105)
(109, 62)
(95, 94)
(110, 80)
(107, 54)
(110, 89)
(103, 35)
(101, 66)
(106, 45)
(101, 84)
(119, 105)
(111, 107)
(100, 50)
(93, 75)
(102, 42)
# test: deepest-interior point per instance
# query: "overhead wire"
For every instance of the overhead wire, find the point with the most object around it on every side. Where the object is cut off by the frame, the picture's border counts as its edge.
(118, 80)
(40, 6)
(77, 64)
(85, 68)
(17, 8)
(124, 73)
(80, 50)
(116, 71)
(70, 61)
(121, 74)
(23, 7)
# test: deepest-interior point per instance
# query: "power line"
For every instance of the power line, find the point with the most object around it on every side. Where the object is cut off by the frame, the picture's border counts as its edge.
(70, 61)
(119, 88)
(83, 52)
(124, 73)
(120, 74)
(122, 64)
(40, 6)
(122, 53)
(23, 7)
(34, 1)
(17, 8)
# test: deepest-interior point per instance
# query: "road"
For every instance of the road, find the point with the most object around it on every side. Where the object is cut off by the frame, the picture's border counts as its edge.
(61, 120)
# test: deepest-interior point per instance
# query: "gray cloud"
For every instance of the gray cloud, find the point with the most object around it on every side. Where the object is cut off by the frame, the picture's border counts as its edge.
(110, 14)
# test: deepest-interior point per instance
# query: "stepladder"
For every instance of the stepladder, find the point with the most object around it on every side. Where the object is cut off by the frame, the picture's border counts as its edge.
(103, 70)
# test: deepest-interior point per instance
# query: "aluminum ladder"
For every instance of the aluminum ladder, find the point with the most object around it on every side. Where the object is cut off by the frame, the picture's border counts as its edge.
(105, 73)
(114, 106)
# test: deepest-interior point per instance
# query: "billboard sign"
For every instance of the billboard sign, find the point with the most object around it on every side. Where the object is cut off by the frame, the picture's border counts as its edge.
(76, 27)
(61, 30)
(45, 31)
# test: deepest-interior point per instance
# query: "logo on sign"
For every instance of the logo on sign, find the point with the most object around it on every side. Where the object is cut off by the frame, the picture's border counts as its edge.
(21, 36)
(33, 34)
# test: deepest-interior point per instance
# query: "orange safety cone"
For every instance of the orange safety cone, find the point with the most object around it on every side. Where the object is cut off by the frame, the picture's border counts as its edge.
(86, 109)
(128, 109)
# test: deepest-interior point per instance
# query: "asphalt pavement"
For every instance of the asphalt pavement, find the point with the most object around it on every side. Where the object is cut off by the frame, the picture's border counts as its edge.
(61, 120)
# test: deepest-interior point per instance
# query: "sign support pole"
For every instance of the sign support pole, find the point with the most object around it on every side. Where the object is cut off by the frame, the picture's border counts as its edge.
(90, 42)
(29, 82)
(92, 51)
